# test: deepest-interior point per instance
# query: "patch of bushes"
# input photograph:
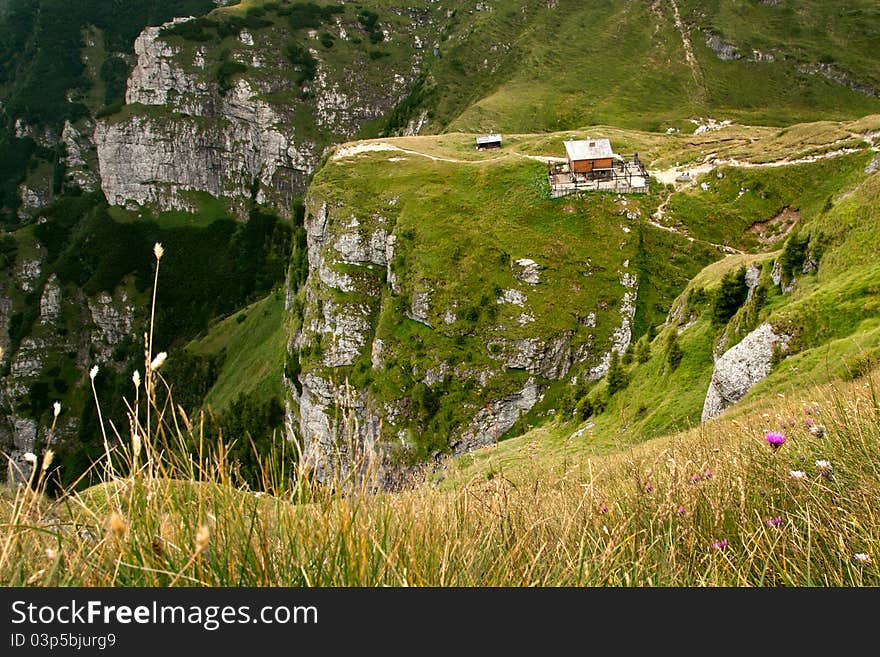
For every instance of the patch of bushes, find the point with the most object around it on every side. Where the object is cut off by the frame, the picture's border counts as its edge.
(731, 294)
(859, 364)
(369, 21)
(794, 254)
(226, 71)
(191, 376)
(305, 66)
(616, 379)
(673, 353)
(302, 15)
(8, 252)
(114, 74)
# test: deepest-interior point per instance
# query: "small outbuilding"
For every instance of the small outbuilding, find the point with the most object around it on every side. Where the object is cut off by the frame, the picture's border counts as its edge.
(488, 141)
(590, 155)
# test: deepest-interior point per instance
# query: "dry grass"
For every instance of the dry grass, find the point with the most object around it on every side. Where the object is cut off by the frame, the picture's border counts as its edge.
(716, 506)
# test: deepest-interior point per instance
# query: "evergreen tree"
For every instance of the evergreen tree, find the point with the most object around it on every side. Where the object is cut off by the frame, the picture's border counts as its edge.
(616, 377)
(673, 351)
(730, 296)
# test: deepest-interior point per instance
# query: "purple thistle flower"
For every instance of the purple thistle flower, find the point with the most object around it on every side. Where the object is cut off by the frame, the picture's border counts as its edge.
(791, 423)
(648, 488)
(783, 424)
(808, 410)
(774, 522)
(681, 511)
(603, 508)
(774, 439)
(809, 422)
(719, 545)
(697, 479)
(707, 474)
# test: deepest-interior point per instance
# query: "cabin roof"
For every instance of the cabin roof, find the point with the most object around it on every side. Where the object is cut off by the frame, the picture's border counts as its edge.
(588, 149)
(489, 139)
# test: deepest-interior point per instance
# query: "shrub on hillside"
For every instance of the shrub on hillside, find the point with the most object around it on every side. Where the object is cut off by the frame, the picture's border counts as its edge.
(859, 364)
(794, 254)
(616, 379)
(730, 296)
(674, 353)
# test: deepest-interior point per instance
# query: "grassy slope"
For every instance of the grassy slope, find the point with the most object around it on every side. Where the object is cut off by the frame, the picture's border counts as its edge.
(835, 318)
(459, 224)
(254, 342)
(624, 63)
(527, 67)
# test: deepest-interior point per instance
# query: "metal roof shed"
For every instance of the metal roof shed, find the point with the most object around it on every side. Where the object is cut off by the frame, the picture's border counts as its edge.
(489, 141)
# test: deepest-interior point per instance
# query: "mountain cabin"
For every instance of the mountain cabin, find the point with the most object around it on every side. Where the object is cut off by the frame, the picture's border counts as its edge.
(488, 141)
(593, 157)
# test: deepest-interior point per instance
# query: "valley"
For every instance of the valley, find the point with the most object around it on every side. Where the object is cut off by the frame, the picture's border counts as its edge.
(358, 307)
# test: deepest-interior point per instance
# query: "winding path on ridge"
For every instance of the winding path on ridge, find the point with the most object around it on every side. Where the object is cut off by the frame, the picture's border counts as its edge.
(664, 176)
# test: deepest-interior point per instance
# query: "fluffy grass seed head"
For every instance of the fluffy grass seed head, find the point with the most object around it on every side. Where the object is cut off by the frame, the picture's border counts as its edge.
(157, 362)
(116, 524)
(203, 536)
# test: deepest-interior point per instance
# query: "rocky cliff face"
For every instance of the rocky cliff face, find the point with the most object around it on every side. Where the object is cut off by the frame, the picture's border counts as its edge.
(185, 131)
(68, 334)
(359, 396)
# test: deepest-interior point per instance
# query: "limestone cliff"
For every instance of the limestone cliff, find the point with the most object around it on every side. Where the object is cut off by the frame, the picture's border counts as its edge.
(187, 129)
(380, 342)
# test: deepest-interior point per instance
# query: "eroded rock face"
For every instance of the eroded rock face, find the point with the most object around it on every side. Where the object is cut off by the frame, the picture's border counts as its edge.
(526, 270)
(551, 358)
(113, 320)
(740, 368)
(493, 422)
(725, 51)
(184, 134)
(341, 429)
(160, 161)
(357, 313)
(50, 301)
(622, 335)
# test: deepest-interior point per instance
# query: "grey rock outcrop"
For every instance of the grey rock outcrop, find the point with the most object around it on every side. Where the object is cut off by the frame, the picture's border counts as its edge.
(493, 422)
(50, 301)
(183, 134)
(336, 445)
(741, 367)
(526, 270)
(841, 77)
(550, 358)
(724, 50)
(113, 320)
(622, 335)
